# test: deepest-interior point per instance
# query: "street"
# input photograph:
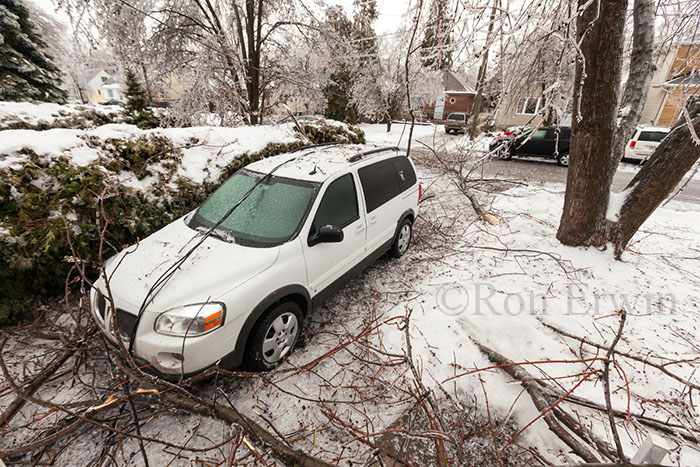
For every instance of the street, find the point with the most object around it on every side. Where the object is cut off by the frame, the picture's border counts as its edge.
(540, 170)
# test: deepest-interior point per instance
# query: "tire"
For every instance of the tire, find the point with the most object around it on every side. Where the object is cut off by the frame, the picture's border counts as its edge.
(403, 239)
(504, 152)
(266, 347)
(448, 131)
(563, 159)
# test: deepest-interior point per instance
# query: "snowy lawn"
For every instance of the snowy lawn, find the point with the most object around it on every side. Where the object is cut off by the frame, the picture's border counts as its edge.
(423, 134)
(347, 384)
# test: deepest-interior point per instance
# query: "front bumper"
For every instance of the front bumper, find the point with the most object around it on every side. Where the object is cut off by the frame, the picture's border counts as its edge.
(167, 356)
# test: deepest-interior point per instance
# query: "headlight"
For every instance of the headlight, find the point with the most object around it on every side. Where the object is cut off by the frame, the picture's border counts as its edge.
(191, 320)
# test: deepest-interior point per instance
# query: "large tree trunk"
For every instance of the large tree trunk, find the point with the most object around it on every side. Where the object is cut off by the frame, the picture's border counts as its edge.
(599, 137)
(593, 131)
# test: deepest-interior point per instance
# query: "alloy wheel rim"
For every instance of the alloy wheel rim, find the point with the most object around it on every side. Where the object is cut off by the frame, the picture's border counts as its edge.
(404, 237)
(280, 337)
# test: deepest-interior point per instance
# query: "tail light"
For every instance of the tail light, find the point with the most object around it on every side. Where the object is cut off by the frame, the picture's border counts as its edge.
(420, 191)
(633, 144)
(499, 135)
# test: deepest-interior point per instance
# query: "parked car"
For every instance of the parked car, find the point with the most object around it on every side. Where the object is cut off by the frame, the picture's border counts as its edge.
(456, 122)
(644, 141)
(112, 102)
(306, 223)
(542, 142)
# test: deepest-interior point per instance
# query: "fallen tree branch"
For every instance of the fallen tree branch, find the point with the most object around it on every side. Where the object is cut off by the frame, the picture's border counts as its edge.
(540, 401)
(637, 358)
(606, 385)
(229, 415)
(33, 386)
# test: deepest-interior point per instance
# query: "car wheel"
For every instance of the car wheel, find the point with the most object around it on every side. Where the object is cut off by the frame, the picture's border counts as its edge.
(274, 336)
(403, 239)
(563, 160)
(448, 131)
(504, 153)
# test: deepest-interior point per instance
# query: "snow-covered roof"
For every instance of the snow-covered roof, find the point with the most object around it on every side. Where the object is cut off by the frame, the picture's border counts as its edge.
(316, 164)
(454, 82)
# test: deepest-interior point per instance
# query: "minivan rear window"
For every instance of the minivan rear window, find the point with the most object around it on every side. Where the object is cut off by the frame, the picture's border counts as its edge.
(404, 169)
(459, 117)
(385, 179)
(652, 136)
(379, 183)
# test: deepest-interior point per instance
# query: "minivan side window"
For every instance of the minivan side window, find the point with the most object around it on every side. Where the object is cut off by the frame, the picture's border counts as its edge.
(379, 183)
(338, 206)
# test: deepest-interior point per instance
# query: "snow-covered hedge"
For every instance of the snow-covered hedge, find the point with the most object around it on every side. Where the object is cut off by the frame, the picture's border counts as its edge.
(57, 187)
(44, 116)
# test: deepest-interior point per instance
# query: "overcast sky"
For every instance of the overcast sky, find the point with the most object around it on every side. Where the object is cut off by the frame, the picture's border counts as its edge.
(391, 12)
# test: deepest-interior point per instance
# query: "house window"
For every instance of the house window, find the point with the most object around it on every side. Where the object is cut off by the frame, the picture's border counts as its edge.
(99, 91)
(529, 105)
(452, 100)
(109, 93)
(104, 79)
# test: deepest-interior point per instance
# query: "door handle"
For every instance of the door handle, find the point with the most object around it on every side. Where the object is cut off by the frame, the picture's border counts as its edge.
(359, 228)
(372, 219)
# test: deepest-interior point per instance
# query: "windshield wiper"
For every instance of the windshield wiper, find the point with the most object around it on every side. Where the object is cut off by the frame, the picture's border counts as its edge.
(226, 237)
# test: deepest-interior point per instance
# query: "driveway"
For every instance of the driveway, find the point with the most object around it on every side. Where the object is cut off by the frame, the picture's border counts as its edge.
(537, 170)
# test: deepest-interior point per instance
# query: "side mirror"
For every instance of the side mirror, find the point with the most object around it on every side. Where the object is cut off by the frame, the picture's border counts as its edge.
(327, 234)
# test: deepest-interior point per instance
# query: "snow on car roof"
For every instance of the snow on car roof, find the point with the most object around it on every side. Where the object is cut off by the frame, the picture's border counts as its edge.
(317, 163)
(653, 128)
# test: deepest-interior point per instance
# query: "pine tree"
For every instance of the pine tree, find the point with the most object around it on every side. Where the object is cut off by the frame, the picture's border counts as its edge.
(136, 110)
(26, 71)
(360, 40)
(436, 48)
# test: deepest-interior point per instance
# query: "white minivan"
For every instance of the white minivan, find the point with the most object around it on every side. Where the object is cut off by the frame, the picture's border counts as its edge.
(644, 141)
(231, 282)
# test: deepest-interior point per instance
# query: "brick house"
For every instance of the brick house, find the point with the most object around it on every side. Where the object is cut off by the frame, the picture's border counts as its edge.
(457, 96)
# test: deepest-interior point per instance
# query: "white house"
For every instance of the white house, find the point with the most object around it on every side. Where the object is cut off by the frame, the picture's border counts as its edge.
(105, 87)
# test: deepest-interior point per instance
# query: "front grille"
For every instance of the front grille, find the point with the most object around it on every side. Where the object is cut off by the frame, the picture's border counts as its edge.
(125, 323)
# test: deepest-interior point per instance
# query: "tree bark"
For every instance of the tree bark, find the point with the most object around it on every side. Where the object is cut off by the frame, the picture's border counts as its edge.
(476, 105)
(590, 174)
(642, 68)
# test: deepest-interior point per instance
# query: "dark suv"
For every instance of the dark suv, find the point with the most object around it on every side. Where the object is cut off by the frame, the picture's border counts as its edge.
(543, 142)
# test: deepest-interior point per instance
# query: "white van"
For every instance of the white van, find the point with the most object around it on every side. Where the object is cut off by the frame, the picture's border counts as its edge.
(644, 141)
(232, 281)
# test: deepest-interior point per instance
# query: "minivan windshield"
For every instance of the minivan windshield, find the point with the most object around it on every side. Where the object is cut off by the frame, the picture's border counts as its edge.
(272, 213)
(459, 117)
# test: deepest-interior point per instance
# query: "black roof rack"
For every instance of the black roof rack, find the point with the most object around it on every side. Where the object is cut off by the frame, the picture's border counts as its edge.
(359, 156)
(311, 146)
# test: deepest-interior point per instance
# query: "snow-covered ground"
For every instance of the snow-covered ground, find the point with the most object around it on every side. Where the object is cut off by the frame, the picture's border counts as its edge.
(424, 135)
